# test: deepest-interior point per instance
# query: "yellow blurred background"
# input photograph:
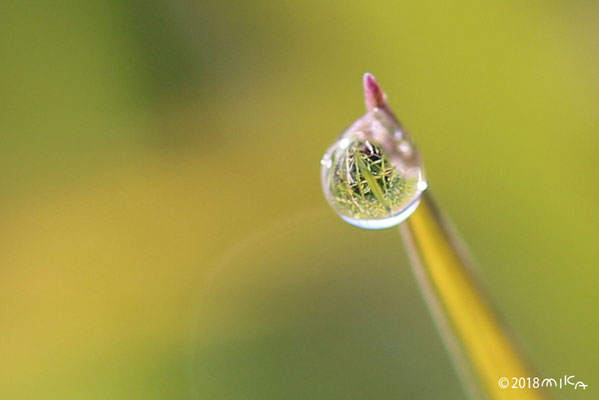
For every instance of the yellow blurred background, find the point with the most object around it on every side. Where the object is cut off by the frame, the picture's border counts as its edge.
(163, 233)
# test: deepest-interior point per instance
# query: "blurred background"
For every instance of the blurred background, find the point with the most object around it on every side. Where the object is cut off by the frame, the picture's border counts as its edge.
(163, 233)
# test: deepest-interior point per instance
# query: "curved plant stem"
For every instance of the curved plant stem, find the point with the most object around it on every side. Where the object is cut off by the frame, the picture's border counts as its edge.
(478, 344)
(485, 357)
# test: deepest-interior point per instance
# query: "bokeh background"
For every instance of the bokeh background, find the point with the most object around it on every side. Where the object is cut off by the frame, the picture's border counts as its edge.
(163, 234)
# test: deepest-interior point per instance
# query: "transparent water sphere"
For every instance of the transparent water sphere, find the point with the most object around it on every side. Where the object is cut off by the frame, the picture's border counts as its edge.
(373, 175)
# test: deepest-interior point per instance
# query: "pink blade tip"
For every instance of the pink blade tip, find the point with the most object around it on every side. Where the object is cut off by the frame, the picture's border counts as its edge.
(373, 94)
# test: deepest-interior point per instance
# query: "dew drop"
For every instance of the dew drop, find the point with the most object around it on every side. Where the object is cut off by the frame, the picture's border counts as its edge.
(373, 175)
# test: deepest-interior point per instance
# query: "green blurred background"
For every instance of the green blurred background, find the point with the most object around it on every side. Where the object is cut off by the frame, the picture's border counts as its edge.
(163, 232)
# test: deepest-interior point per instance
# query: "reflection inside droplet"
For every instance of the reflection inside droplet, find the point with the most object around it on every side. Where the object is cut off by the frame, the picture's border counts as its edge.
(373, 175)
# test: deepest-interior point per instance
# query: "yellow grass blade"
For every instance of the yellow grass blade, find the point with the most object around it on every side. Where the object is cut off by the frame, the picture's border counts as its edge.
(478, 344)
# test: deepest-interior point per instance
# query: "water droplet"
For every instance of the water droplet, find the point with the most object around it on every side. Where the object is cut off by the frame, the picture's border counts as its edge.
(373, 175)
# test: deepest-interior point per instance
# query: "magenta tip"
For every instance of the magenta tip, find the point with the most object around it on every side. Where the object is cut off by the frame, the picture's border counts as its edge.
(373, 94)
